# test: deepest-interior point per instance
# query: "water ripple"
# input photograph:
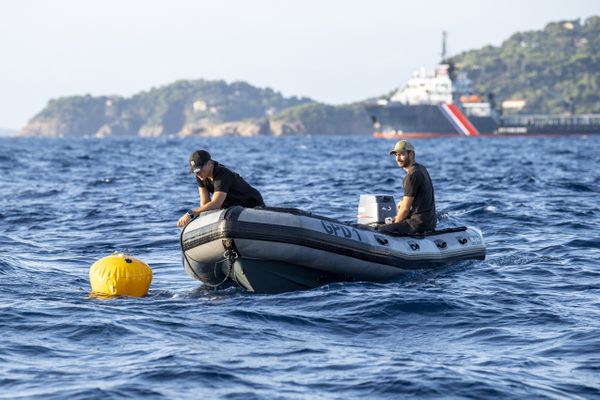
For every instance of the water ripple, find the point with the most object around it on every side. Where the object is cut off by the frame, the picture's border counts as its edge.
(524, 323)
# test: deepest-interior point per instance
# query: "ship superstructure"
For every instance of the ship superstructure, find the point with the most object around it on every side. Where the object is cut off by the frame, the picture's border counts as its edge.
(433, 104)
(442, 103)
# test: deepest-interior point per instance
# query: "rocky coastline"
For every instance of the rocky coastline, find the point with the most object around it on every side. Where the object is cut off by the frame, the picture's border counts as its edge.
(196, 108)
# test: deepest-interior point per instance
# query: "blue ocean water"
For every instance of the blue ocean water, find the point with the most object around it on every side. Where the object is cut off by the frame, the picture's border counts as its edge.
(524, 323)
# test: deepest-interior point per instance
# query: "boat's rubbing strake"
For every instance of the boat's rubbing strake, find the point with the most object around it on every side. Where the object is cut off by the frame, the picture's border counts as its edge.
(335, 238)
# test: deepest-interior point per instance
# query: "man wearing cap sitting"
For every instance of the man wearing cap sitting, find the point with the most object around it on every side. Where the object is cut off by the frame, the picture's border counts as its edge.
(219, 187)
(416, 211)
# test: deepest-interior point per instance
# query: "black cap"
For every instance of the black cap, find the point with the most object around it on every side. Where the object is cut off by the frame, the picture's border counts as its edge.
(198, 159)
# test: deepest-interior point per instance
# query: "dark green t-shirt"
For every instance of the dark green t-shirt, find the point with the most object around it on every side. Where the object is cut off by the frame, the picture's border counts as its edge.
(239, 192)
(417, 184)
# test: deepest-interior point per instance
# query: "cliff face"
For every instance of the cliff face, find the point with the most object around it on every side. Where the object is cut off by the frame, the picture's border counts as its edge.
(195, 108)
(250, 127)
(71, 116)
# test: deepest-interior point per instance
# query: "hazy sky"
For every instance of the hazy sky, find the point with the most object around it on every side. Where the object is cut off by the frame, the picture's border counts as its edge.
(334, 51)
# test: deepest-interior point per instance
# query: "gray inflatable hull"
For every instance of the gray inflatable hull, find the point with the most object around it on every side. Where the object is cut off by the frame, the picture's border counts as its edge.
(277, 250)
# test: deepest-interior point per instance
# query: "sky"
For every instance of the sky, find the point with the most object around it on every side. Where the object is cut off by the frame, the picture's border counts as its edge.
(334, 51)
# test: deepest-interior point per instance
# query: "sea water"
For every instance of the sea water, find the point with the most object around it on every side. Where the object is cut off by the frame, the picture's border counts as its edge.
(524, 323)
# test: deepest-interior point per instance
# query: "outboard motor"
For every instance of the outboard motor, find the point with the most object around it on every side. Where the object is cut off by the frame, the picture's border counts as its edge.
(373, 209)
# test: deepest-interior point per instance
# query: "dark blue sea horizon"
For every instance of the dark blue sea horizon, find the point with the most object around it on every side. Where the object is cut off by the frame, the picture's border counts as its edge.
(524, 323)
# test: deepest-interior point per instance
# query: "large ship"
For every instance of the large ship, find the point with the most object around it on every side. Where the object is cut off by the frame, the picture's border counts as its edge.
(442, 103)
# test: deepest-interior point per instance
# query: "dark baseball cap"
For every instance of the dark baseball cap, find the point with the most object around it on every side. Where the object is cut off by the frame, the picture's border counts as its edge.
(198, 159)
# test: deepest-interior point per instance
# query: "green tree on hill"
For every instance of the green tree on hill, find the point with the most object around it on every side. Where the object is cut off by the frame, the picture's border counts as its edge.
(549, 68)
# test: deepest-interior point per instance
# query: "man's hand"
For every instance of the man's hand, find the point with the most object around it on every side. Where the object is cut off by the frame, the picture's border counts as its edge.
(403, 208)
(214, 204)
(184, 220)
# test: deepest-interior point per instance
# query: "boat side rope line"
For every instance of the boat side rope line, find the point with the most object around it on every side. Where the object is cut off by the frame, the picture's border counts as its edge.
(183, 251)
(229, 256)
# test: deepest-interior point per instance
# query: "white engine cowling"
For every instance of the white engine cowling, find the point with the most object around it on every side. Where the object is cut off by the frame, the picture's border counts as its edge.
(375, 208)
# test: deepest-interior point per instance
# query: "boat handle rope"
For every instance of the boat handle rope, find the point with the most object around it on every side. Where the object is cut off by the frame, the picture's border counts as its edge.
(227, 258)
(183, 251)
(229, 255)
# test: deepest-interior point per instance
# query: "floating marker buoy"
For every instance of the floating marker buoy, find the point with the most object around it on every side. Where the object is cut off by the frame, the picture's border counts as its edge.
(120, 275)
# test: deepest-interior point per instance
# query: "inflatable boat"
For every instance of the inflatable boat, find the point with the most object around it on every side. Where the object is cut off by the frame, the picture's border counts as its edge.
(271, 250)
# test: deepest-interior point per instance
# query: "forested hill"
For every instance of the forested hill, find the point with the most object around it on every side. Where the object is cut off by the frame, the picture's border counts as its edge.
(196, 108)
(548, 68)
(183, 107)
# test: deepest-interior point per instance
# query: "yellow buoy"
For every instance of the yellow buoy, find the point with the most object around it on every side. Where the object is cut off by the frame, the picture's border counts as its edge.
(120, 275)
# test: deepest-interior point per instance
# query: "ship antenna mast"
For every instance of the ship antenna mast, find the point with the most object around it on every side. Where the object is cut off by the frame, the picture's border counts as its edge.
(443, 46)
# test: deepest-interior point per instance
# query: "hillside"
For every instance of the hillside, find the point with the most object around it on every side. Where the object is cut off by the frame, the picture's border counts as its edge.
(322, 119)
(549, 68)
(184, 108)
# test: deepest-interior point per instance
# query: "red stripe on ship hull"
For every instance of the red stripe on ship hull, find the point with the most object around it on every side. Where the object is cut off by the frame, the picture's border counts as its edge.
(472, 131)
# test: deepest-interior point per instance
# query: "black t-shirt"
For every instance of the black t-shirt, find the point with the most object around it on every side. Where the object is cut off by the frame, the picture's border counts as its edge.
(239, 192)
(417, 184)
